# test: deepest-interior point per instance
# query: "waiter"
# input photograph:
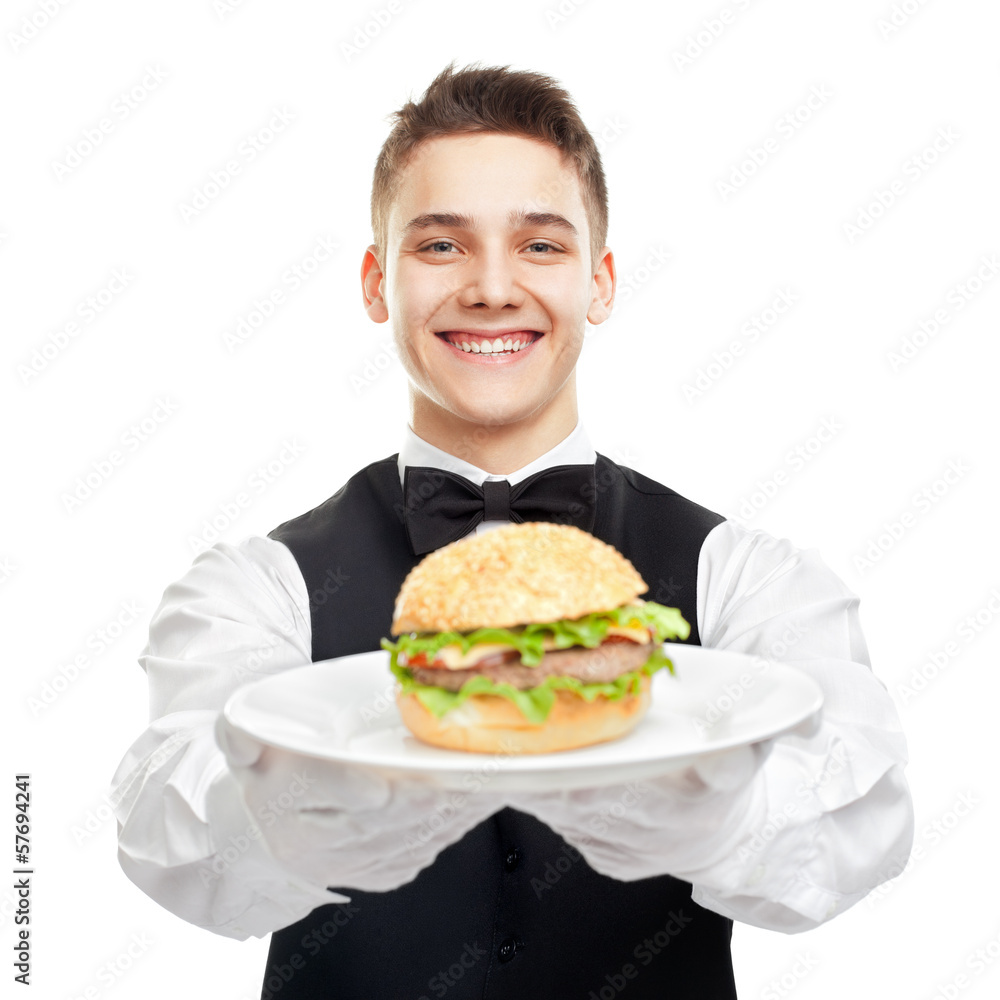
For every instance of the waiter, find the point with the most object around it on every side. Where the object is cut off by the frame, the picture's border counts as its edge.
(489, 212)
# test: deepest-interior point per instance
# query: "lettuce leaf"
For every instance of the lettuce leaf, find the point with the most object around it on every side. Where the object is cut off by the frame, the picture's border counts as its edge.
(528, 640)
(534, 703)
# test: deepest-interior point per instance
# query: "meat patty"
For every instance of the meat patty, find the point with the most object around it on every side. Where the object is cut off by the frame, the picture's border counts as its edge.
(599, 664)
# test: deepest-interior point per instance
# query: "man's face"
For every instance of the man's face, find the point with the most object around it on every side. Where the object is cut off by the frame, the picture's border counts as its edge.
(487, 277)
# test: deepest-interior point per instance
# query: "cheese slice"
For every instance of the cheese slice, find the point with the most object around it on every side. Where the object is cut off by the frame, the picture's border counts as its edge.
(453, 658)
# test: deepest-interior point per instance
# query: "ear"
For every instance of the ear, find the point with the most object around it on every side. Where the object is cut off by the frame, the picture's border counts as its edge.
(603, 295)
(372, 278)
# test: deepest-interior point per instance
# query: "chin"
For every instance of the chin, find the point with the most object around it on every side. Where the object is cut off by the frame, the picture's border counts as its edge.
(486, 413)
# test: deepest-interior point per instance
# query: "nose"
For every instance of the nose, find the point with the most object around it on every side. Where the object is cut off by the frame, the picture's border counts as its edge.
(489, 280)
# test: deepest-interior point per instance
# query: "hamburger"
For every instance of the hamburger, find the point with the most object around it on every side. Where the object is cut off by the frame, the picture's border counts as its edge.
(527, 638)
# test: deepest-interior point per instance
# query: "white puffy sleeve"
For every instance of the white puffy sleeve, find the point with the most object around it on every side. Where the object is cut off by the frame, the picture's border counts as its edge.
(185, 837)
(838, 818)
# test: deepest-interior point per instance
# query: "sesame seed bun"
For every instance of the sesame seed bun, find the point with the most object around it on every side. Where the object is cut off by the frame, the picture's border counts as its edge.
(514, 575)
(491, 724)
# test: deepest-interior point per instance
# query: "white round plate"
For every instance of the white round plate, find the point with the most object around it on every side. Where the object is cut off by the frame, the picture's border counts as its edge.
(345, 710)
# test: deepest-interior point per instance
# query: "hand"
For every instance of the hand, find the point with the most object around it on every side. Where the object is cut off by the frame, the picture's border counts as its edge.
(339, 824)
(676, 824)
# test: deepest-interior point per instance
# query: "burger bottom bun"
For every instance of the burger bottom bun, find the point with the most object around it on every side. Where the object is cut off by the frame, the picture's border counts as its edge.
(489, 723)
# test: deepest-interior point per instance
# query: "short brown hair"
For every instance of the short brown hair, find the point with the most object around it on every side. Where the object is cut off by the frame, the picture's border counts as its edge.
(492, 99)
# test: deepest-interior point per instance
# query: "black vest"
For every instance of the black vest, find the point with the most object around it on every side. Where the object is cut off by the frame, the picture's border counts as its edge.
(511, 910)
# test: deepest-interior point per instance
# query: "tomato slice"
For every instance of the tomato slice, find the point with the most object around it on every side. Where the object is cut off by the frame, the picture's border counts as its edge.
(420, 660)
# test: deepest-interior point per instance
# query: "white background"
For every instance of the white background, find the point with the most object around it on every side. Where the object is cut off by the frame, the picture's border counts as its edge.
(671, 133)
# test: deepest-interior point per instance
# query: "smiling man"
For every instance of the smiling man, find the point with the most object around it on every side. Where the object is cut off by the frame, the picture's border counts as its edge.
(489, 213)
(489, 304)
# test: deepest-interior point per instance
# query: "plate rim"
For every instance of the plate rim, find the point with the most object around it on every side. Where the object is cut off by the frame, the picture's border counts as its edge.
(532, 766)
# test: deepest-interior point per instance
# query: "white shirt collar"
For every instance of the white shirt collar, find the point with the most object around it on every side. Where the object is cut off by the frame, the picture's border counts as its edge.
(574, 449)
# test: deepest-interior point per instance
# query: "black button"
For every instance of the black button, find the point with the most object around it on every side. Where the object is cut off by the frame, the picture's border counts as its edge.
(512, 860)
(507, 949)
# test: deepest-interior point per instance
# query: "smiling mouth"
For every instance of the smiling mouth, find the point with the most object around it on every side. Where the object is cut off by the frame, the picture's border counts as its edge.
(490, 342)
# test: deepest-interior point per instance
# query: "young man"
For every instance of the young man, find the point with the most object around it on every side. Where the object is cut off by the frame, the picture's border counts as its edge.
(490, 216)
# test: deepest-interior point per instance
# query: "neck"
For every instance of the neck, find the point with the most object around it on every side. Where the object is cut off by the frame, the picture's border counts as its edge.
(496, 448)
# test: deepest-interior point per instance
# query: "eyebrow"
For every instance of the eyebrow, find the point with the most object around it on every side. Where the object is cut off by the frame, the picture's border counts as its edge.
(516, 219)
(520, 219)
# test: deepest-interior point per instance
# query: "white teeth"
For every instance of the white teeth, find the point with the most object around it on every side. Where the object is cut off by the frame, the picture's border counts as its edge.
(496, 346)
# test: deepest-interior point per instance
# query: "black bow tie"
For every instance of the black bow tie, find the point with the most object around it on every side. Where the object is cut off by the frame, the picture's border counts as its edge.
(440, 507)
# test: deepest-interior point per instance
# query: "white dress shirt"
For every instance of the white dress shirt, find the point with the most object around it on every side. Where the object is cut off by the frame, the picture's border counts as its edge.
(838, 812)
